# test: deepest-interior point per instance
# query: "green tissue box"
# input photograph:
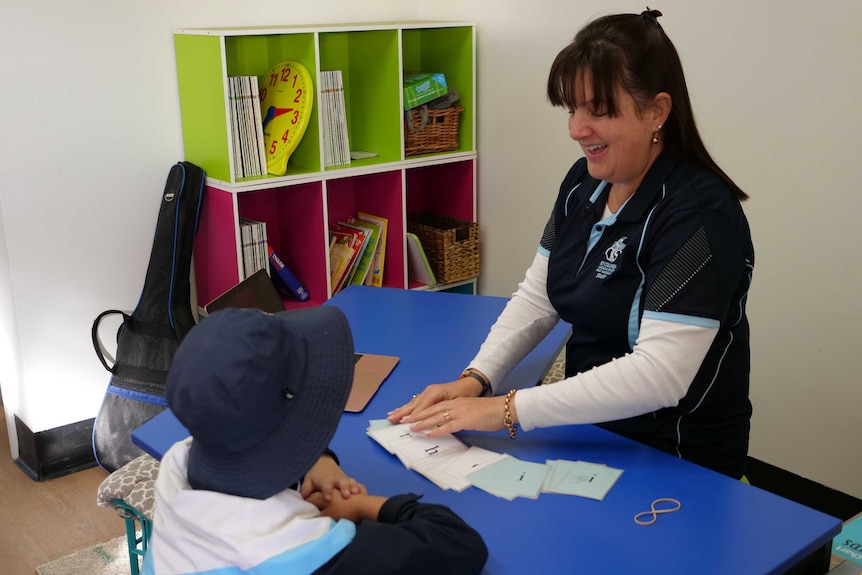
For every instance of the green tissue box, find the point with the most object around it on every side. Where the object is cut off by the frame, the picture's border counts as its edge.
(422, 87)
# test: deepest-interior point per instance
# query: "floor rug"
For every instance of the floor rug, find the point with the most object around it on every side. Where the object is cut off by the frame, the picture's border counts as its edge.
(108, 558)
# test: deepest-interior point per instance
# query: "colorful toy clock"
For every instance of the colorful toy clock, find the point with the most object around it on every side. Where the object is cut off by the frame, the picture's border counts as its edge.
(286, 99)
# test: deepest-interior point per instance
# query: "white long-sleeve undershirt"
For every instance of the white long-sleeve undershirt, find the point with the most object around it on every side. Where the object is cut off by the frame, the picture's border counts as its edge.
(656, 374)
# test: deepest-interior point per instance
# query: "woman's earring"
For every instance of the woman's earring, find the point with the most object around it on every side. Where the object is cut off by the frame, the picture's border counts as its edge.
(655, 135)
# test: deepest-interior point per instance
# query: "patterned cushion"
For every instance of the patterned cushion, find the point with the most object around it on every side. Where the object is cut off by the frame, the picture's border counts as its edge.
(133, 483)
(557, 371)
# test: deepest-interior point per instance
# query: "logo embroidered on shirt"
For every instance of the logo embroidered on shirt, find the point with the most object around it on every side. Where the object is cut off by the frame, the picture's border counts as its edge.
(613, 252)
(606, 268)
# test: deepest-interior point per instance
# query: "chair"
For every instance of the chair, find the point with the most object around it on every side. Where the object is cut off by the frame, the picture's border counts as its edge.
(130, 491)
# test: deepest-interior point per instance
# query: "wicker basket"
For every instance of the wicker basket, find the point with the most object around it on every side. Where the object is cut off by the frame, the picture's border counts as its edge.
(439, 134)
(451, 245)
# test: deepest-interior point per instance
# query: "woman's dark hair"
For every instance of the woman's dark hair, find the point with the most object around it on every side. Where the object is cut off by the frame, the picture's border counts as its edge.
(633, 52)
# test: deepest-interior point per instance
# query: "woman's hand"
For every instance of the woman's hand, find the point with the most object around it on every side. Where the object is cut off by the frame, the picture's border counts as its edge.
(326, 475)
(434, 394)
(450, 416)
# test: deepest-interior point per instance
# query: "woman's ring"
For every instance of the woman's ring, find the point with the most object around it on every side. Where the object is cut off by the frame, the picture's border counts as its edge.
(446, 416)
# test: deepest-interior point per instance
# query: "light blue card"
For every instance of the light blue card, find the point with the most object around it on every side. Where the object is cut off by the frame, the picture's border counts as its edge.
(592, 480)
(378, 423)
(510, 477)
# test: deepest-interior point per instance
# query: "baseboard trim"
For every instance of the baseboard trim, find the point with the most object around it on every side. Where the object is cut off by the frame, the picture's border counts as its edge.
(55, 452)
(801, 490)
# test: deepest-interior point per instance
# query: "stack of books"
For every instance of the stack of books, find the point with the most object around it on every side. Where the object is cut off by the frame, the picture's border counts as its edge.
(257, 254)
(246, 126)
(254, 246)
(357, 251)
(336, 149)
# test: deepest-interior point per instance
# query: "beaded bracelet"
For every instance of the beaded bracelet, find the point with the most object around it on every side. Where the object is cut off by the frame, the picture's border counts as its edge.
(507, 417)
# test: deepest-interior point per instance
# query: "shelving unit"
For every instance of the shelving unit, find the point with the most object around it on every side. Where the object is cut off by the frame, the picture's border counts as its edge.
(299, 206)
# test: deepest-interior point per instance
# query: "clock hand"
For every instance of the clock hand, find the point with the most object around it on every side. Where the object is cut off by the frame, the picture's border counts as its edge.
(273, 113)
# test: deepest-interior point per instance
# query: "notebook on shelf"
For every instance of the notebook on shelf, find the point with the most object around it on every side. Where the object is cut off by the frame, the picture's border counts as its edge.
(256, 291)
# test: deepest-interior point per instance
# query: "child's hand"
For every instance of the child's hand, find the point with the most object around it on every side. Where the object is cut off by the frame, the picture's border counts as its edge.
(357, 508)
(326, 476)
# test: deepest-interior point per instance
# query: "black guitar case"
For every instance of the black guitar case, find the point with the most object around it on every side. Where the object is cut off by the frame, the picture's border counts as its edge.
(148, 338)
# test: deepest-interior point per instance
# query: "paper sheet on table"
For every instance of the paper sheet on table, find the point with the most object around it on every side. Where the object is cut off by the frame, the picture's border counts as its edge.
(387, 436)
(434, 470)
(450, 471)
(414, 450)
(450, 464)
(413, 447)
(472, 460)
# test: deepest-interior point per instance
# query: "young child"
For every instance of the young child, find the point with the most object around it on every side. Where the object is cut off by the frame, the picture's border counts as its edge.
(261, 395)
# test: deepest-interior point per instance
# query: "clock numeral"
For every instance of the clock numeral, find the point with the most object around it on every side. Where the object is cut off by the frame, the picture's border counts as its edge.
(262, 94)
(273, 79)
(295, 117)
(298, 95)
(284, 137)
(273, 147)
(285, 74)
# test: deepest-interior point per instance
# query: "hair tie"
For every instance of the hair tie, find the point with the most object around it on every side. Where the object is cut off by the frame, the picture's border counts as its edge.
(652, 16)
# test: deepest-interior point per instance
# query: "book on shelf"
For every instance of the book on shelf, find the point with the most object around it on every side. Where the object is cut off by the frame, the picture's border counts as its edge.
(257, 119)
(248, 168)
(362, 263)
(234, 126)
(340, 258)
(242, 165)
(285, 280)
(254, 246)
(358, 240)
(380, 253)
(422, 87)
(246, 244)
(336, 149)
(345, 244)
(364, 270)
(246, 127)
(326, 118)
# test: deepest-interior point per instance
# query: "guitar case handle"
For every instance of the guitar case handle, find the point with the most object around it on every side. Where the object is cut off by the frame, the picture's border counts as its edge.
(95, 333)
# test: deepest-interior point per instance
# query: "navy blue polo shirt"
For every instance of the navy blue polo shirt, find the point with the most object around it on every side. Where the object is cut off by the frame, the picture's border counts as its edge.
(679, 250)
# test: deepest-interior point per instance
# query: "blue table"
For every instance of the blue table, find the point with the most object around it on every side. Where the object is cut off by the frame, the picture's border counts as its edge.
(724, 526)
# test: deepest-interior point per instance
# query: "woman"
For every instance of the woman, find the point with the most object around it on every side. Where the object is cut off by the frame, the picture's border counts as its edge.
(647, 254)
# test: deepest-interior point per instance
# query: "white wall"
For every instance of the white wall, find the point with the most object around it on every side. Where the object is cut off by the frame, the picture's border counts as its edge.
(10, 348)
(91, 125)
(776, 93)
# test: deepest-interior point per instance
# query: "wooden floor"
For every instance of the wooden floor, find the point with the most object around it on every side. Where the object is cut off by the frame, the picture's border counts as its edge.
(41, 521)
